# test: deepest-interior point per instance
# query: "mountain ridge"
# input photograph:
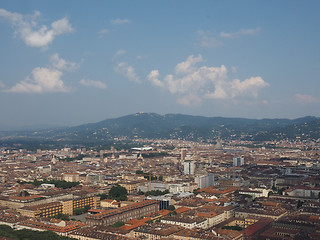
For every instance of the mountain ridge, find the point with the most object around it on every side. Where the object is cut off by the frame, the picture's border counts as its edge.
(182, 126)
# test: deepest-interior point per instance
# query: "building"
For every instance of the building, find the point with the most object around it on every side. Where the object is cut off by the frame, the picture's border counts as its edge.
(81, 202)
(130, 186)
(43, 210)
(126, 213)
(188, 167)
(156, 231)
(186, 221)
(183, 154)
(71, 177)
(109, 203)
(238, 161)
(205, 181)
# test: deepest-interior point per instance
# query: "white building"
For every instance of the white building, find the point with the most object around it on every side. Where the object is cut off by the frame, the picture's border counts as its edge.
(205, 180)
(238, 161)
(188, 167)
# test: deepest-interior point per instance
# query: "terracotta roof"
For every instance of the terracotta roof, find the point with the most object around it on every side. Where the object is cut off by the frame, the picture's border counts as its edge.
(182, 209)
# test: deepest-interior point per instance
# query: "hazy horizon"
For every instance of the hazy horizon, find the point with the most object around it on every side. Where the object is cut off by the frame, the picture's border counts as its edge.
(44, 125)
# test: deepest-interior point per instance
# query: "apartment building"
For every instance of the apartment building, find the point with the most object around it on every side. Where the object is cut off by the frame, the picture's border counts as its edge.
(136, 210)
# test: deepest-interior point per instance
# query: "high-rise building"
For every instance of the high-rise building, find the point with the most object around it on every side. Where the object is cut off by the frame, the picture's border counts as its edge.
(188, 167)
(238, 161)
(205, 181)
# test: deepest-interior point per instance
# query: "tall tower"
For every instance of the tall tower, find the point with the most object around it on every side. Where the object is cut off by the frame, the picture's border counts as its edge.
(183, 154)
(101, 156)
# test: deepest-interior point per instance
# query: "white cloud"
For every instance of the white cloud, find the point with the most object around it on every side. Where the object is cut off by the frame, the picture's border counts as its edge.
(207, 39)
(192, 84)
(306, 99)
(248, 87)
(46, 79)
(103, 31)
(33, 34)
(93, 83)
(241, 32)
(188, 65)
(2, 85)
(43, 80)
(119, 21)
(120, 52)
(153, 77)
(62, 64)
(127, 71)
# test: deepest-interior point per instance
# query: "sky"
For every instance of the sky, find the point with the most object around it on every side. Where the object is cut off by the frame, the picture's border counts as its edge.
(66, 63)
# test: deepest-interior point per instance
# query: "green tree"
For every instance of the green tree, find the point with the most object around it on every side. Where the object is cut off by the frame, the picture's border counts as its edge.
(24, 193)
(27, 234)
(62, 216)
(102, 196)
(79, 211)
(236, 228)
(118, 193)
(171, 208)
(299, 204)
(117, 224)
(156, 192)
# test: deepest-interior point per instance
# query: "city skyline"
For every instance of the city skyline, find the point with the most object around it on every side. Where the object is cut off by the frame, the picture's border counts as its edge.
(69, 63)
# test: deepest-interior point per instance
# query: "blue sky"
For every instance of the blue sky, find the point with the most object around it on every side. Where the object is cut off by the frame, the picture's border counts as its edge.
(74, 62)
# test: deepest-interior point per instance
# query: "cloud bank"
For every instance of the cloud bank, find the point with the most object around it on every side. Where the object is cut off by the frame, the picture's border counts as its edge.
(42, 80)
(46, 79)
(192, 84)
(306, 99)
(27, 27)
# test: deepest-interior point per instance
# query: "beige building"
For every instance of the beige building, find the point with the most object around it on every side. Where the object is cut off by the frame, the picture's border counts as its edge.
(109, 203)
(44, 210)
(136, 210)
(71, 177)
(131, 186)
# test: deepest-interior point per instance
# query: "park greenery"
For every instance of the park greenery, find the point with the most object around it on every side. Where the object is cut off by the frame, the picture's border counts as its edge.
(117, 224)
(58, 183)
(118, 193)
(154, 154)
(24, 193)
(102, 196)
(79, 211)
(70, 159)
(171, 208)
(62, 216)
(236, 228)
(27, 234)
(156, 192)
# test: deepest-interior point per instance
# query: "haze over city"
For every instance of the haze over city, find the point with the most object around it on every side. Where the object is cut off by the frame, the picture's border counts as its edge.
(74, 62)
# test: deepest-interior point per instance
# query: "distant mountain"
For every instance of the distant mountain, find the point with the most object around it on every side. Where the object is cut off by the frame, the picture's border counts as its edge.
(179, 126)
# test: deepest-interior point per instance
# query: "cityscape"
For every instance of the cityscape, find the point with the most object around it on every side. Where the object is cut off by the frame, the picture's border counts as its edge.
(178, 120)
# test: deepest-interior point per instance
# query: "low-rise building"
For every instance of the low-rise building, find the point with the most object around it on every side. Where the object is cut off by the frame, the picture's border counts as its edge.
(136, 210)
(43, 210)
(156, 231)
